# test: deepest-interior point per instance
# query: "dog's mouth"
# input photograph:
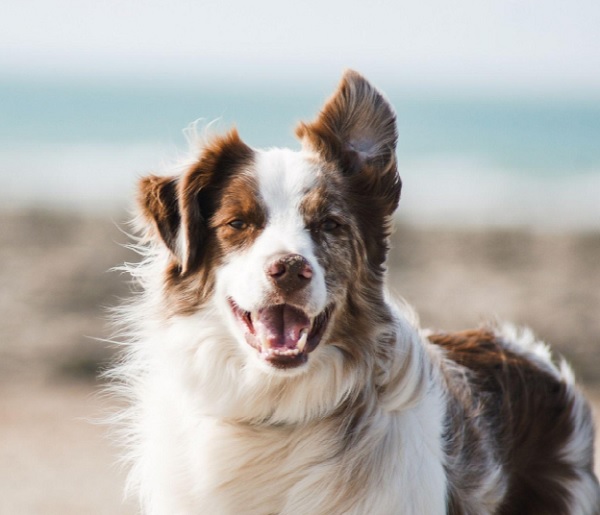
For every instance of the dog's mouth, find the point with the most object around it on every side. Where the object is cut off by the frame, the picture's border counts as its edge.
(283, 334)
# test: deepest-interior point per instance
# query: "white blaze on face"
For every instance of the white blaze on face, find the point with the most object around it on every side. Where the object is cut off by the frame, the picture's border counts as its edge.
(283, 177)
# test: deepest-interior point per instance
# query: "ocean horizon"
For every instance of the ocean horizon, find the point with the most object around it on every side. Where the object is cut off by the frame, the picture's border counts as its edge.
(464, 159)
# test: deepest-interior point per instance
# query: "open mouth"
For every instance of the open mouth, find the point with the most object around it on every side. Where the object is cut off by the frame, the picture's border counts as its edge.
(283, 334)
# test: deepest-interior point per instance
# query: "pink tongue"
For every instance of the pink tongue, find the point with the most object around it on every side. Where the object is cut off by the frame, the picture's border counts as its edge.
(280, 326)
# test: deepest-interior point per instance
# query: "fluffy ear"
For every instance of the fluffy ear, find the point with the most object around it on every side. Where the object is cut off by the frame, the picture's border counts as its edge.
(179, 208)
(356, 129)
(158, 201)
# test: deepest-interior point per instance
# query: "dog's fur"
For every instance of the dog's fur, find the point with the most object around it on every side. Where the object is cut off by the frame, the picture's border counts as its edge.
(269, 372)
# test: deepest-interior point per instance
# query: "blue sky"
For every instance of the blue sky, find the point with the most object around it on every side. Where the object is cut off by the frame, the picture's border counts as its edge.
(535, 45)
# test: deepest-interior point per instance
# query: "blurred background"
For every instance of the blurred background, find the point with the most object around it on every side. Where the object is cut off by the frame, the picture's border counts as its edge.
(498, 105)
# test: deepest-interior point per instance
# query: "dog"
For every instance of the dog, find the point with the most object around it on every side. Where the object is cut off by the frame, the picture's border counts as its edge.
(269, 372)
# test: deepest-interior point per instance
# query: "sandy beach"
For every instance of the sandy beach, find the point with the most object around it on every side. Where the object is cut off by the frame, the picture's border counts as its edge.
(55, 285)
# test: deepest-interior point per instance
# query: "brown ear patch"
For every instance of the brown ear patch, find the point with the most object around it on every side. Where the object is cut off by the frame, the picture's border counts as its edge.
(356, 127)
(157, 198)
(356, 131)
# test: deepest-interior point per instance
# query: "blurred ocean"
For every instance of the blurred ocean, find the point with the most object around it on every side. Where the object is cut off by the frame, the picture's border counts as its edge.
(464, 160)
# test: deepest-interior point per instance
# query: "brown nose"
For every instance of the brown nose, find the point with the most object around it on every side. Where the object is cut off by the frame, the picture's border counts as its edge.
(290, 272)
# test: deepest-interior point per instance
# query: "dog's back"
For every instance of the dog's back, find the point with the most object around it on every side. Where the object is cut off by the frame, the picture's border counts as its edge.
(509, 400)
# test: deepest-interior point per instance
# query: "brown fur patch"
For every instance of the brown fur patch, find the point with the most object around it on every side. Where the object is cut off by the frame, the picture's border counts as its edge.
(524, 409)
(157, 198)
(337, 248)
(200, 188)
(238, 201)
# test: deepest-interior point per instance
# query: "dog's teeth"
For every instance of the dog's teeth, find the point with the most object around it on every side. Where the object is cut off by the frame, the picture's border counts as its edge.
(302, 341)
(281, 352)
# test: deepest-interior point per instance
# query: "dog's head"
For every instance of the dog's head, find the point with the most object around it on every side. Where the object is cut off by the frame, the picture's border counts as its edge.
(285, 244)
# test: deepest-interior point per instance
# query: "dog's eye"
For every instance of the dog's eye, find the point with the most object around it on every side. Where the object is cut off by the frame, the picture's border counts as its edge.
(238, 225)
(329, 225)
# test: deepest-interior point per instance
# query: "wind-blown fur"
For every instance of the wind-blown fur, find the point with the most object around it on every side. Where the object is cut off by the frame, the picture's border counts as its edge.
(268, 372)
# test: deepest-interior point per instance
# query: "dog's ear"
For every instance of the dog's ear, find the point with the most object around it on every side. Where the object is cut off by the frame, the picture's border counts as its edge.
(356, 129)
(158, 202)
(179, 209)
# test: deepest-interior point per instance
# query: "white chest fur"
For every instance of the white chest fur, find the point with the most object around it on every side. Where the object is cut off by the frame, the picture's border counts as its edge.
(194, 464)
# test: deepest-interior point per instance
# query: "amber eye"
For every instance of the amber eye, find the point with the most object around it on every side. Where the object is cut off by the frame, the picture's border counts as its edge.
(238, 225)
(329, 225)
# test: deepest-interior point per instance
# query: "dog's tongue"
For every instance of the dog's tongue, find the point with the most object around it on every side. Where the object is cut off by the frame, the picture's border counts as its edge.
(280, 326)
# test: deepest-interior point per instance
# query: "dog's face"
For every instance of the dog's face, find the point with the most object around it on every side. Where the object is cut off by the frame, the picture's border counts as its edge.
(282, 247)
(284, 243)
